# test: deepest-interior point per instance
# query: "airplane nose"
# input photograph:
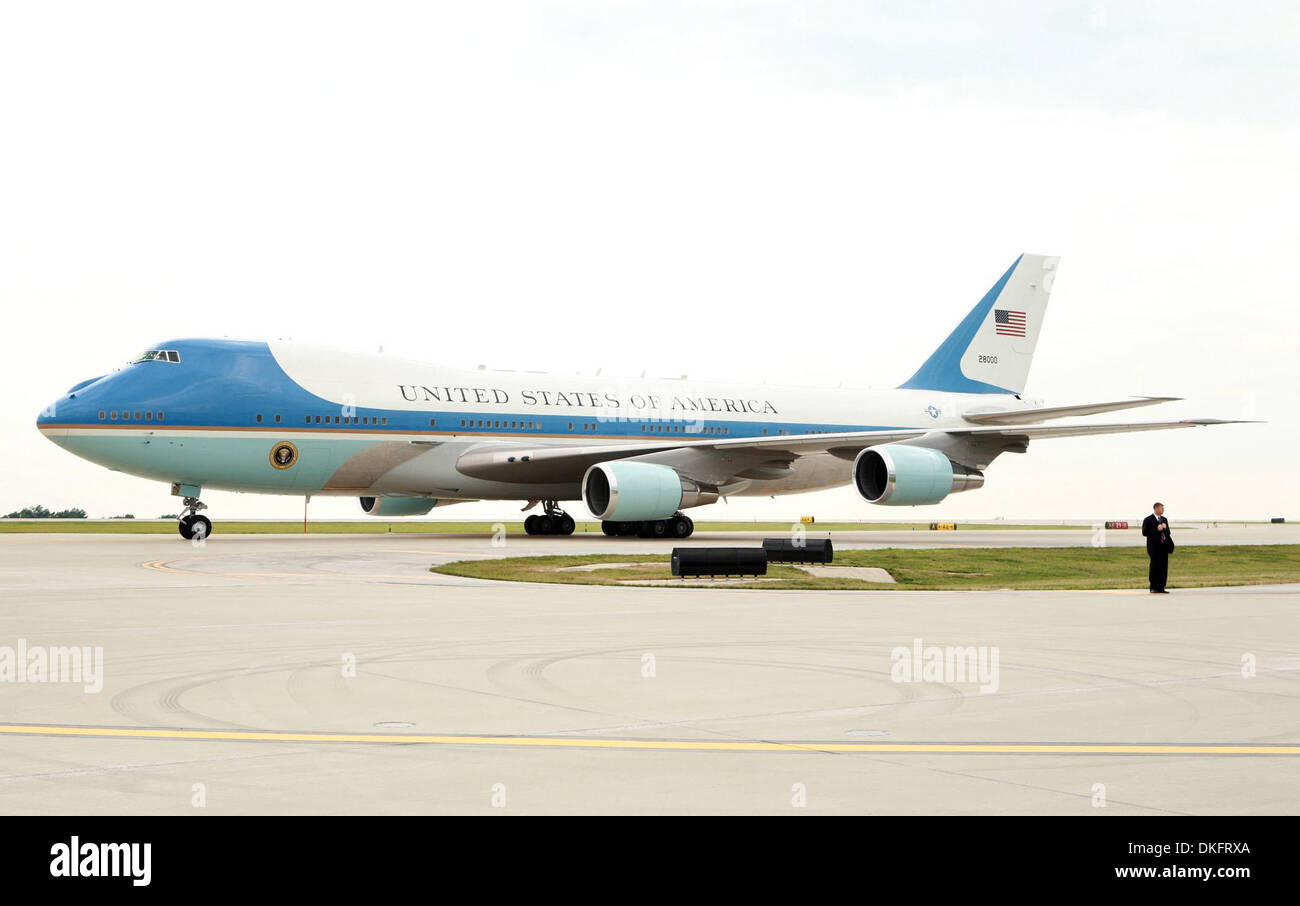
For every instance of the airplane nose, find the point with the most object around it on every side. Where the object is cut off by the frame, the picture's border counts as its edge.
(48, 423)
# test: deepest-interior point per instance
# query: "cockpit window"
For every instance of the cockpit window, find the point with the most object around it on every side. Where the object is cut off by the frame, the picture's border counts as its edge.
(158, 355)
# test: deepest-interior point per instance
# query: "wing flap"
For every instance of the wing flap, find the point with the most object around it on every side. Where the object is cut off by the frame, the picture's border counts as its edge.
(1046, 413)
(1041, 432)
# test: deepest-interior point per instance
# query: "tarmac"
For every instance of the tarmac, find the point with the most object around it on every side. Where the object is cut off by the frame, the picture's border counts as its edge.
(334, 674)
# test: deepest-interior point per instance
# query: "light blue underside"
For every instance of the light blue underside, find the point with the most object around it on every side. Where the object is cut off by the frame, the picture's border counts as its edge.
(239, 463)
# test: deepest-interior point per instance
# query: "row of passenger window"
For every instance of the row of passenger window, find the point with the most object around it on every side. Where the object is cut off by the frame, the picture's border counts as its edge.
(126, 415)
(586, 426)
(343, 420)
(680, 429)
(502, 423)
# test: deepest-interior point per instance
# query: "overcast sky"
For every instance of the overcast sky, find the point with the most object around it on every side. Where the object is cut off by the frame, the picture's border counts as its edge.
(799, 192)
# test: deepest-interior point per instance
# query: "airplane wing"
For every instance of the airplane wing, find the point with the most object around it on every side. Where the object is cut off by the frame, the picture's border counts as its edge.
(1046, 413)
(718, 460)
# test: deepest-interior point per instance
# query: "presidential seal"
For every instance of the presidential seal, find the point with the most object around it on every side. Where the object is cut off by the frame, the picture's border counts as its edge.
(283, 455)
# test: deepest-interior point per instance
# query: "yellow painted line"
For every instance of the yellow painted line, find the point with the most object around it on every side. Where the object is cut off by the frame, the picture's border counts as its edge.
(670, 745)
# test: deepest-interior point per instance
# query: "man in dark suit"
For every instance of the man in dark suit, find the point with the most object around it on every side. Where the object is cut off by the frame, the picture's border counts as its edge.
(1160, 544)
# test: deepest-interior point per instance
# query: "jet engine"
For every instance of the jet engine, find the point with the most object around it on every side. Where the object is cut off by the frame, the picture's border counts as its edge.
(902, 475)
(633, 491)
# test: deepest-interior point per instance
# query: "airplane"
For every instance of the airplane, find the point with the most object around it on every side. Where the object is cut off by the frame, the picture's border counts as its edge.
(406, 436)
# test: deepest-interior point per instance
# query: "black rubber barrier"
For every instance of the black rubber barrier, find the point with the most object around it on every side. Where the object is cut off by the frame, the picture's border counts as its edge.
(719, 561)
(806, 550)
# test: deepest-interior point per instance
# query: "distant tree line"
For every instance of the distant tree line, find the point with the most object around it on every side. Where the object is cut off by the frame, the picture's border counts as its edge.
(40, 512)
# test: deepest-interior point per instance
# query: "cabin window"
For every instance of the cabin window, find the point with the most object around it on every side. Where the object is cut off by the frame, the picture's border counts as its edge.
(113, 415)
(259, 418)
(432, 422)
(277, 419)
(102, 413)
(384, 420)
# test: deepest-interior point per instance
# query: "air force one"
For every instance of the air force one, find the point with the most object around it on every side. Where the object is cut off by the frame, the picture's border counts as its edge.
(406, 436)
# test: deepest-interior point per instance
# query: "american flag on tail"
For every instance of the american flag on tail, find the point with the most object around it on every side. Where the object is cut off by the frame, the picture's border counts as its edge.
(1010, 323)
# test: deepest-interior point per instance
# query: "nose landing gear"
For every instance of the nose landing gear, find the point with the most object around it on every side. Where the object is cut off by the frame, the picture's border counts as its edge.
(193, 526)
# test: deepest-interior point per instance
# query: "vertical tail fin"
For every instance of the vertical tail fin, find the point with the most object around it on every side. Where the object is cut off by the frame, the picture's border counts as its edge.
(992, 348)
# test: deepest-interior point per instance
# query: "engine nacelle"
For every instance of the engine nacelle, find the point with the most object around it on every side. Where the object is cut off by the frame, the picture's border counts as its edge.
(635, 491)
(901, 475)
(399, 506)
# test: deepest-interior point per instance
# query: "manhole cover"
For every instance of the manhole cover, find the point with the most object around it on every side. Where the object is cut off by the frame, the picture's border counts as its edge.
(868, 733)
(394, 724)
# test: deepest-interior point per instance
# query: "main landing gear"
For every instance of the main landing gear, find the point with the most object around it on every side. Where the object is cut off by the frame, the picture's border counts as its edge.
(678, 525)
(551, 521)
(191, 524)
